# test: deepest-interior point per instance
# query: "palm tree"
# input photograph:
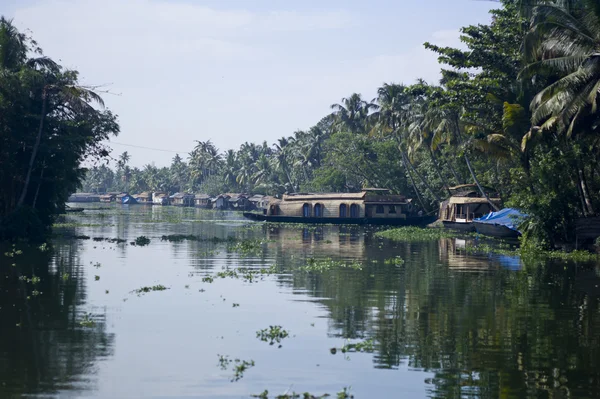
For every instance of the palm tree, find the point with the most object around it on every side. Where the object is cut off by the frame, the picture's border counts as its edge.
(352, 114)
(563, 45)
(61, 94)
(281, 160)
(446, 121)
(393, 117)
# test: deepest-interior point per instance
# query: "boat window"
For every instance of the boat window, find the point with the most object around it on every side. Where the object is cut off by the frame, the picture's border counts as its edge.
(343, 211)
(392, 209)
(306, 210)
(379, 209)
(354, 211)
(319, 210)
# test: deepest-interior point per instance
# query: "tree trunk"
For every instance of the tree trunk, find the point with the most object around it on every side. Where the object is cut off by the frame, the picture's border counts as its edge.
(287, 173)
(576, 184)
(437, 197)
(439, 172)
(36, 146)
(487, 198)
(37, 190)
(412, 181)
(586, 195)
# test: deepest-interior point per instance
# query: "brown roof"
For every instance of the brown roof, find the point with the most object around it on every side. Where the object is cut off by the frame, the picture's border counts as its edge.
(327, 196)
(470, 200)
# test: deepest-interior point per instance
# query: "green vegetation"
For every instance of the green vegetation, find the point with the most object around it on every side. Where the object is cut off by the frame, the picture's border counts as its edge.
(529, 252)
(323, 265)
(49, 124)
(87, 321)
(142, 241)
(239, 366)
(293, 395)
(517, 110)
(245, 274)
(414, 234)
(144, 290)
(364, 346)
(396, 260)
(343, 394)
(272, 335)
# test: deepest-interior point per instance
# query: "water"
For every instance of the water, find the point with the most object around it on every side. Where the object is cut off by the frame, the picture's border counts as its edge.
(444, 324)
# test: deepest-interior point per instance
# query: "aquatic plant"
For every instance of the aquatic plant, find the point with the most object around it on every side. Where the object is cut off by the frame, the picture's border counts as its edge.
(33, 280)
(247, 275)
(223, 361)
(240, 366)
(293, 395)
(144, 290)
(396, 260)
(323, 265)
(530, 253)
(272, 335)
(12, 253)
(87, 321)
(415, 234)
(142, 241)
(345, 393)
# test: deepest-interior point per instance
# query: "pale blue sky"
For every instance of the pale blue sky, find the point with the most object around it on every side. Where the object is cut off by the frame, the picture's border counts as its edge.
(235, 70)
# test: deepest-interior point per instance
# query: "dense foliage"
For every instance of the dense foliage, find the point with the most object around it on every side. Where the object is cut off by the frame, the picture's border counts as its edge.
(516, 110)
(47, 127)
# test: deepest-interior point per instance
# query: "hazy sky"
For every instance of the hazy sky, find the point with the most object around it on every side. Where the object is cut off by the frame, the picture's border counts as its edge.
(237, 70)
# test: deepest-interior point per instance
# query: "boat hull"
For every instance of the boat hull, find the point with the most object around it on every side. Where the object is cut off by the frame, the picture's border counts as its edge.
(466, 227)
(410, 221)
(495, 230)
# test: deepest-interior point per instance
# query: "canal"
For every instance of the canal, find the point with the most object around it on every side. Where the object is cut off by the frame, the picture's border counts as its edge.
(203, 304)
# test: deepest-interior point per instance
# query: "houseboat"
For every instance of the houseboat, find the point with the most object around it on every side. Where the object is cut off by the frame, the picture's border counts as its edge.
(143, 198)
(84, 197)
(370, 206)
(182, 199)
(202, 201)
(465, 204)
(160, 198)
(108, 198)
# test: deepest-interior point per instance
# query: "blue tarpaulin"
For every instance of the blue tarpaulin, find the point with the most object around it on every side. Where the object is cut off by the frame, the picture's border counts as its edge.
(128, 199)
(508, 217)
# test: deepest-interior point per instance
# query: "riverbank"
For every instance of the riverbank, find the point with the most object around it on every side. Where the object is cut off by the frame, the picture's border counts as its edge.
(480, 244)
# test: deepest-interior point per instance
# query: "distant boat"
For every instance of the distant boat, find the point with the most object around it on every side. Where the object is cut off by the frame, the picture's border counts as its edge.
(371, 206)
(502, 224)
(128, 200)
(465, 205)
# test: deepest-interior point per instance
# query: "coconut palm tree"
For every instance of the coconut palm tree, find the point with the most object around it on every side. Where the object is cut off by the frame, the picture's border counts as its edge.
(563, 42)
(281, 160)
(562, 46)
(393, 117)
(353, 112)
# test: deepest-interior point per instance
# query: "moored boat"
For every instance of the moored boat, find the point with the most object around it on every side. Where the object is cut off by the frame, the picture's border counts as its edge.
(370, 206)
(501, 224)
(465, 205)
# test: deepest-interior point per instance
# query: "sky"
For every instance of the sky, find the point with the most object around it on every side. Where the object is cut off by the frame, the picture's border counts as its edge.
(232, 71)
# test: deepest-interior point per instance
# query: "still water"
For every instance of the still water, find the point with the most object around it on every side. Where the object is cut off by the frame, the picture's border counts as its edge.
(444, 324)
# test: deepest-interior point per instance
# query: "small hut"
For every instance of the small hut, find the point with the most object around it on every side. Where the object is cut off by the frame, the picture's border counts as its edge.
(182, 199)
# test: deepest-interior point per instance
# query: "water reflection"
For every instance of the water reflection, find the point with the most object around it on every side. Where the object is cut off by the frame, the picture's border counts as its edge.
(43, 347)
(446, 324)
